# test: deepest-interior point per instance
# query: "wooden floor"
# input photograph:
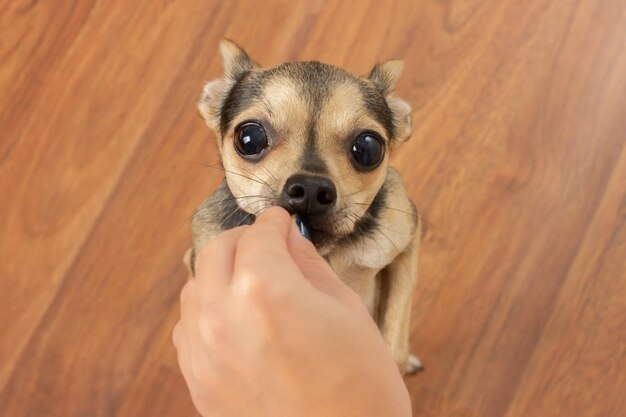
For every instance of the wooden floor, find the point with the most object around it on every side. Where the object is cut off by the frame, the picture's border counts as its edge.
(518, 163)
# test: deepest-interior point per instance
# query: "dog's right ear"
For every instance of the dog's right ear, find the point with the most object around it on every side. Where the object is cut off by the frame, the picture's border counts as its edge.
(236, 64)
(385, 76)
(236, 60)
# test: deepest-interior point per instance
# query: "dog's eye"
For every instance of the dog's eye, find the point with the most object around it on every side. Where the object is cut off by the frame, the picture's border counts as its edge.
(250, 139)
(367, 151)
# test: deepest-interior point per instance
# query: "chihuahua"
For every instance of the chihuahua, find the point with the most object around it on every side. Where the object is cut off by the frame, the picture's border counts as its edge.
(315, 140)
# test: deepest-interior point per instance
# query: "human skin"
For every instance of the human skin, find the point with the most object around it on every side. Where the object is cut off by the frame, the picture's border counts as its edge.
(268, 329)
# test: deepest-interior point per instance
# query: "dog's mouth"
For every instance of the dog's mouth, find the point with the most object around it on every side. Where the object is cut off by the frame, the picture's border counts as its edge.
(325, 231)
(320, 236)
(322, 231)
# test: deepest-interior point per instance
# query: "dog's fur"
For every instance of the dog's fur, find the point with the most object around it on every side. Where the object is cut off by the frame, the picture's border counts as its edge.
(312, 113)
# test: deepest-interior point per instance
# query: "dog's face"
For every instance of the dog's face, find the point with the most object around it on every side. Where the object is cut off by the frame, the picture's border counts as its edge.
(307, 136)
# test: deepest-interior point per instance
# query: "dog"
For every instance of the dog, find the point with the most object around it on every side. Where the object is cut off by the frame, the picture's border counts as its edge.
(315, 140)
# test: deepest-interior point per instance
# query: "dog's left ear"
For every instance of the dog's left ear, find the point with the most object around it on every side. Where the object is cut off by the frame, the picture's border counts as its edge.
(236, 64)
(385, 76)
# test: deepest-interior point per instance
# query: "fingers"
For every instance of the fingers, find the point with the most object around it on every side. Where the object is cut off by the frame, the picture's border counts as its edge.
(269, 251)
(273, 224)
(262, 249)
(176, 336)
(314, 268)
(214, 263)
(187, 261)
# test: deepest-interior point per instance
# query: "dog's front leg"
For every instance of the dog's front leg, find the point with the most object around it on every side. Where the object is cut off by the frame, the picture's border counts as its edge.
(401, 278)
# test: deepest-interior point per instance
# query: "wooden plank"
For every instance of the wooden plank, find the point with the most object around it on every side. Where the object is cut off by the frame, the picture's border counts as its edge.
(546, 125)
(71, 153)
(577, 368)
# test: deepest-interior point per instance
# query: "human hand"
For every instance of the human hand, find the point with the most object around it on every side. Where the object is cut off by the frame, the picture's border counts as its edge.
(268, 329)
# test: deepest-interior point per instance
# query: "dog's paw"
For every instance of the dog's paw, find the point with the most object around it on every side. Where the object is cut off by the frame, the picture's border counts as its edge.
(414, 366)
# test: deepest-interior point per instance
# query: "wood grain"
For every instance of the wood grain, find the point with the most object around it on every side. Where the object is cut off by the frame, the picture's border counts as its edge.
(517, 162)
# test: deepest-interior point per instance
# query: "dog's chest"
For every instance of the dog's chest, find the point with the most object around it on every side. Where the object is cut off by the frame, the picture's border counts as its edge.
(362, 279)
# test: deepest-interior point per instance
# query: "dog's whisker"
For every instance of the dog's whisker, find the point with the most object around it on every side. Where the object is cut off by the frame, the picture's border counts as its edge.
(243, 197)
(355, 219)
(388, 228)
(426, 222)
(221, 168)
(252, 214)
(357, 192)
(231, 214)
(417, 215)
(244, 219)
(264, 202)
(381, 251)
(387, 237)
(388, 208)
(349, 174)
(259, 178)
(235, 211)
(269, 172)
(187, 218)
(247, 216)
(406, 267)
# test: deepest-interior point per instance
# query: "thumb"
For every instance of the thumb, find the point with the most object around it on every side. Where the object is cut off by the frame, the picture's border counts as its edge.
(315, 269)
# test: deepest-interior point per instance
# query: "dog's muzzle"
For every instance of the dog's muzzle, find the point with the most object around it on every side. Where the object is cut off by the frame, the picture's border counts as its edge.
(309, 195)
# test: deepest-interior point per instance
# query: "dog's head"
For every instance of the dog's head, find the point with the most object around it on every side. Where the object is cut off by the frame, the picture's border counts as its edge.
(307, 136)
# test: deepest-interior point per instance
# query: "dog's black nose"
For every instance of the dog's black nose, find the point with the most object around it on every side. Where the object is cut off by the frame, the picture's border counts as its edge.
(307, 194)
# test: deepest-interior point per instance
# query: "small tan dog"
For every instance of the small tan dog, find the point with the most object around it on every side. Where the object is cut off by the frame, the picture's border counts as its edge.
(316, 140)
